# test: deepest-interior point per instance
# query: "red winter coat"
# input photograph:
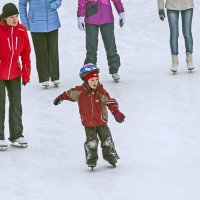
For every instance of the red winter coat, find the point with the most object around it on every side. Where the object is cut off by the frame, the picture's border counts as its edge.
(14, 43)
(92, 104)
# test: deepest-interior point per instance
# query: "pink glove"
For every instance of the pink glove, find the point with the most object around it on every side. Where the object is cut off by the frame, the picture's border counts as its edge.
(119, 117)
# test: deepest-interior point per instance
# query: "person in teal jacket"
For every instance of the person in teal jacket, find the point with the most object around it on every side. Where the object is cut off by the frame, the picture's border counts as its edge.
(42, 20)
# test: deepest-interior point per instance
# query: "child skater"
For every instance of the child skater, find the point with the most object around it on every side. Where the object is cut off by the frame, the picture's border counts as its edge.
(92, 100)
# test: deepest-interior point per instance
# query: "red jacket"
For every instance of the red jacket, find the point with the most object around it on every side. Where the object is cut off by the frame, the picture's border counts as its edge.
(92, 104)
(14, 43)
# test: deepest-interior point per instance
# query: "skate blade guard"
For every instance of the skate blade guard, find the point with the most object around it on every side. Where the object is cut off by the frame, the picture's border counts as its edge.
(19, 145)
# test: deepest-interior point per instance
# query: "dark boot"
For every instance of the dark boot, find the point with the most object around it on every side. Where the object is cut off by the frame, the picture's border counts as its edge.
(91, 162)
(112, 160)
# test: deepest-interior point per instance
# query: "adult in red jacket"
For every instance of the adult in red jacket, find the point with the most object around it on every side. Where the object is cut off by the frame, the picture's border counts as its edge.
(14, 43)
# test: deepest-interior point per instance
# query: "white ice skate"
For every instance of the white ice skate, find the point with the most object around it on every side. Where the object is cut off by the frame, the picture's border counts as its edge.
(20, 142)
(56, 83)
(45, 84)
(116, 77)
(190, 65)
(175, 62)
(3, 145)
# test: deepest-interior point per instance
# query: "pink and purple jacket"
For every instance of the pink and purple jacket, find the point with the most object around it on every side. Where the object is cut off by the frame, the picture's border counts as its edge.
(104, 14)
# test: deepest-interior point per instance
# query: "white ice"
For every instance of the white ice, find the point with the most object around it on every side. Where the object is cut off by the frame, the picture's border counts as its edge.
(159, 143)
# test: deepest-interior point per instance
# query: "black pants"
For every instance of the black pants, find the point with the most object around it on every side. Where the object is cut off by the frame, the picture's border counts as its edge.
(107, 33)
(107, 144)
(46, 52)
(15, 108)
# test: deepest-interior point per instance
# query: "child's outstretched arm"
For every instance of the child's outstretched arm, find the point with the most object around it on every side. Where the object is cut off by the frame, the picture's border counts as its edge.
(60, 98)
(112, 105)
(119, 117)
(70, 95)
(114, 108)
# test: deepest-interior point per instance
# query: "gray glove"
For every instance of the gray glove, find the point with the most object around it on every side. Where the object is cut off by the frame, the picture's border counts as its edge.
(161, 14)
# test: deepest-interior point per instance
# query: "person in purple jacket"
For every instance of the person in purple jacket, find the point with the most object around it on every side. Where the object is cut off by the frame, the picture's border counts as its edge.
(94, 15)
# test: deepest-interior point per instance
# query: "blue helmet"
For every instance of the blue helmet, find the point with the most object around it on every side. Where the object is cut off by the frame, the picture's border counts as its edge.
(87, 69)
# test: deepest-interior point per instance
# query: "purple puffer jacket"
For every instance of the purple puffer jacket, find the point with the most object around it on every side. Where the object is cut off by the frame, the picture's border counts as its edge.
(104, 14)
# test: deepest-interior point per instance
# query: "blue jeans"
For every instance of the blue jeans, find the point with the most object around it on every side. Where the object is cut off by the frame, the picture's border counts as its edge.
(173, 19)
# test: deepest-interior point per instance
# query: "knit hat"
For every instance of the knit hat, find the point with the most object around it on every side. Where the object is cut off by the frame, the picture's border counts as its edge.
(9, 9)
(91, 75)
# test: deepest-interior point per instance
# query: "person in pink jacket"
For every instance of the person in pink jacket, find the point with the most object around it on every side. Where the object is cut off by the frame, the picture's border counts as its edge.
(94, 15)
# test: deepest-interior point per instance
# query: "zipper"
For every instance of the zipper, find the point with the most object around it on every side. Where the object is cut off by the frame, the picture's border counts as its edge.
(16, 43)
(9, 44)
(92, 106)
(12, 49)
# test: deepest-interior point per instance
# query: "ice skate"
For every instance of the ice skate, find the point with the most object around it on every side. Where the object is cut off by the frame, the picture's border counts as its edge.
(174, 65)
(3, 145)
(116, 77)
(45, 84)
(190, 66)
(56, 83)
(112, 161)
(91, 163)
(20, 142)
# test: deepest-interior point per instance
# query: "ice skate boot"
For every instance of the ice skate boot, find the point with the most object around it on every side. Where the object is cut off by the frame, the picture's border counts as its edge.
(174, 65)
(112, 161)
(56, 83)
(190, 66)
(91, 163)
(45, 84)
(20, 142)
(3, 145)
(116, 77)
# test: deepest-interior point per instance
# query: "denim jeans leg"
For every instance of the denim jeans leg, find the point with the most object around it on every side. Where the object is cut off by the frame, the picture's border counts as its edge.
(187, 29)
(173, 18)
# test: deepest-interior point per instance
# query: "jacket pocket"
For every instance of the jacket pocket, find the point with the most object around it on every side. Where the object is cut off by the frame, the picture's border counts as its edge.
(91, 10)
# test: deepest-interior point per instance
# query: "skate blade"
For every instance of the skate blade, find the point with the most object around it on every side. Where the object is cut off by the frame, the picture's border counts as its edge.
(116, 80)
(3, 147)
(22, 145)
(113, 165)
(174, 72)
(56, 85)
(46, 87)
(92, 167)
